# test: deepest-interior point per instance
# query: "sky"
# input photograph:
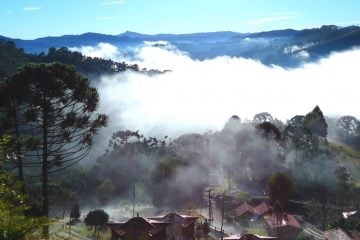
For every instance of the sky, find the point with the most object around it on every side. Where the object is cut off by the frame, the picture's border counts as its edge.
(29, 19)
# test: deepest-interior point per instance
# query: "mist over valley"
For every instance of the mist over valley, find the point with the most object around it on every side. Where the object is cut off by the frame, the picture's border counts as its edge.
(181, 136)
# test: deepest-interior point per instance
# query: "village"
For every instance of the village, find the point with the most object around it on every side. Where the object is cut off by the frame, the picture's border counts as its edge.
(258, 220)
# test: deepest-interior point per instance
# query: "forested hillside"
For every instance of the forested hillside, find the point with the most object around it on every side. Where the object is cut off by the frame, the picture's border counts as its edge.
(12, 58)
(49, 118)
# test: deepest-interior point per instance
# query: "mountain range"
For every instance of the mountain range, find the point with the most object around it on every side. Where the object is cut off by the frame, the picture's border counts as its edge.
(287, 48)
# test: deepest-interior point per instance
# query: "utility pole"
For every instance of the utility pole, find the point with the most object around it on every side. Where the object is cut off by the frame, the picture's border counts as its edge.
(69, 230)
(210, 206)
(134, 198)
(222, 217)
(201, 203)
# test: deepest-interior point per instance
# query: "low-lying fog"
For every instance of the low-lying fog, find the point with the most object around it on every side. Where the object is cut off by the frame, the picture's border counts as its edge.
(196, 96)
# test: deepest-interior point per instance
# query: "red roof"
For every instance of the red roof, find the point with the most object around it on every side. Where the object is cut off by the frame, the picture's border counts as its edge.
(249, 236)
(138, 225)
(184, 220)
(243, 209)
(262, 208)
(273, 221)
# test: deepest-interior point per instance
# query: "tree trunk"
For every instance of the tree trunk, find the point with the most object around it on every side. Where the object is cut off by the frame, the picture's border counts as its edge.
(18, 153)
(45, 190)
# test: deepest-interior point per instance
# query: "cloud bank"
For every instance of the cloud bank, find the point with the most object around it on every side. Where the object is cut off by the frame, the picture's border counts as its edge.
(102, 50)
(33, 8)
(201, 95)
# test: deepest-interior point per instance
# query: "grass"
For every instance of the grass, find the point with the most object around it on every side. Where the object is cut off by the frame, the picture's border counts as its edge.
(338, 147)
(257, 228)
(60, 231)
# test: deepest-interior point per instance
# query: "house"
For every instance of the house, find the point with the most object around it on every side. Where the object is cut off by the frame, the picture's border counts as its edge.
(138, 228)
(249, 236)
(336, 234)
(170, 226)
(180, 227)
(282, 225)
(262, 209)
(244, 212)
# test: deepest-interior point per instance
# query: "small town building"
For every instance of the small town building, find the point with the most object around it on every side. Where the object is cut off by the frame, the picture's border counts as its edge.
(170, 226)
(262, 209)
(244, 212)
(138, 228)
(284, 226)
(181, 227)
(249, 236)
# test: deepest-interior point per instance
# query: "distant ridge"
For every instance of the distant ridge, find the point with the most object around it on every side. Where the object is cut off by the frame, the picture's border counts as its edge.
(279, 47)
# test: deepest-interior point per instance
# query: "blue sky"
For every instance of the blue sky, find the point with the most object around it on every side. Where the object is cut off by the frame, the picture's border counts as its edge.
(28, 19)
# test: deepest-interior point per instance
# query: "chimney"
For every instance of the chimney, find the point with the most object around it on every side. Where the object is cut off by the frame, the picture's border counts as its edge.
(137, 214)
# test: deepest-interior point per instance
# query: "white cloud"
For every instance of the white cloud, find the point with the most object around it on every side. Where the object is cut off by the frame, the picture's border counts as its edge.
(303, 54)
(102, 50)
(33, 8)
(112, 3)
(201, 95)
(274, 18)
(109, 18)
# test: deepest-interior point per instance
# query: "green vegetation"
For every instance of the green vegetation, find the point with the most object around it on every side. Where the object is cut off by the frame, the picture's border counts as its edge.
(281, 189)
(14, 223)
(75, 212)
(11, 58)
(346, 150)
(97, 219)
(49, 111)
(51, 107)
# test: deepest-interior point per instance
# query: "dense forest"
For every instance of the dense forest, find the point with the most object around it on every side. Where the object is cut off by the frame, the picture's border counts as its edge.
(12, 58)
(48, 122)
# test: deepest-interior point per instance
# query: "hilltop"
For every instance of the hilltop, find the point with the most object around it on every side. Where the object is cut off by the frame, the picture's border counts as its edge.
(287, 47)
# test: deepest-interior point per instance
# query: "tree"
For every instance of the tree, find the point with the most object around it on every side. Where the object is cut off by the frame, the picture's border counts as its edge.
(233, 124)
(75, 211)
(308, 133)
(105, 191)
(14, 224)
(205, 228)
(343, 181)
(12, 101)
(269, 131)
(262, 117)
(315, 123)
(97, 219)
(281, 188)
(57, 109)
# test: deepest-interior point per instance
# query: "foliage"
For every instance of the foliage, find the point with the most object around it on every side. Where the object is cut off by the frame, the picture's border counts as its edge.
(57, 111)
(343, 182)
(97, 219)
(10, 58)
(75, 211)
(269, 130)
(281, 188)
(105, 191)
(347, 131)
(14, 224)
(315, 123)
(85, 65)
(262, 118)
(243, 197)
(308, 133)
